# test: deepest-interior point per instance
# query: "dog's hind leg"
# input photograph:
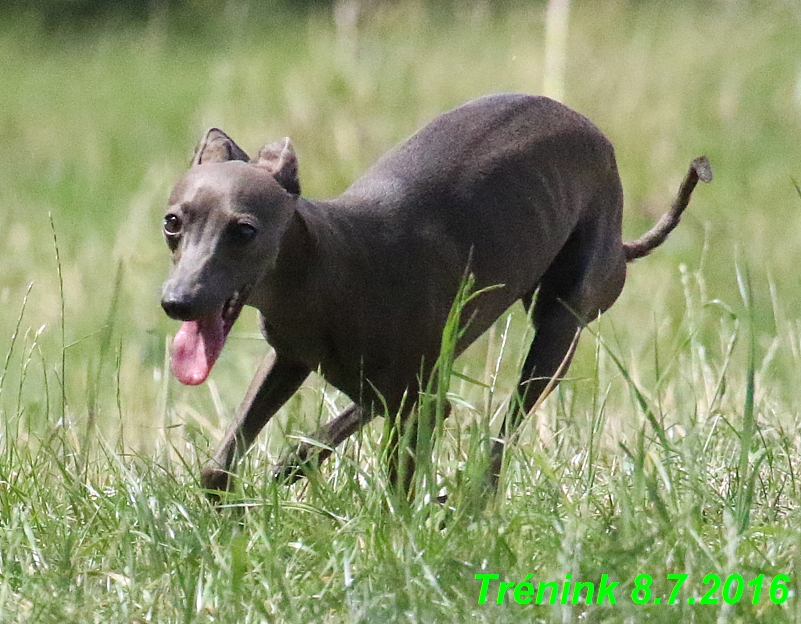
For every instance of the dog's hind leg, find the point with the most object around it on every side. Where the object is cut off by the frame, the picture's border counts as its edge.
(551, 351)
(584, 280)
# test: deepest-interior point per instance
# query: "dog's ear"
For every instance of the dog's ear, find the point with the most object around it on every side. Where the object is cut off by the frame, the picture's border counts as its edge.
(216, 147)
(280, 160)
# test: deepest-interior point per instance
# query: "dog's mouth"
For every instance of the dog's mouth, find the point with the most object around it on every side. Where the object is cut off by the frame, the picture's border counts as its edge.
(198, 343)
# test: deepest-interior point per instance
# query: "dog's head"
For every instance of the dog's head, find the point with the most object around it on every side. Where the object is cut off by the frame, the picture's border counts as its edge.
(224, 226)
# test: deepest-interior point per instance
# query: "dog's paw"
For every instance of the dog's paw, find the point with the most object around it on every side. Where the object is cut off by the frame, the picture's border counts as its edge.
(214, 481)
(294, 463)
(288, 470)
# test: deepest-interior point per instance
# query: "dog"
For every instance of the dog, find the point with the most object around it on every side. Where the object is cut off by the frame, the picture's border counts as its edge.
(518, 192)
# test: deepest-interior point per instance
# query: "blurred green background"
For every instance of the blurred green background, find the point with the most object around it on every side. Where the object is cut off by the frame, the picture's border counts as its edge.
(682, 459)
(101, 105)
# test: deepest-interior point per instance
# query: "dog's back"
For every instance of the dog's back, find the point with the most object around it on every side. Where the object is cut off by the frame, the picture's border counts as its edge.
(497, 187)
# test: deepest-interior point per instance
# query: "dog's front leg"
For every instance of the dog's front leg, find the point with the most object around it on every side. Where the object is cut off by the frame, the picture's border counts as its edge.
(275, 382)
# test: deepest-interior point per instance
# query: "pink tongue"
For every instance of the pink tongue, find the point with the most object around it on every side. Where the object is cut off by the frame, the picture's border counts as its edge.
(195, 348)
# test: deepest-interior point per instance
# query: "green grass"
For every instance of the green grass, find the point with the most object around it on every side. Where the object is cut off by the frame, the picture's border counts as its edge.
(672, 448)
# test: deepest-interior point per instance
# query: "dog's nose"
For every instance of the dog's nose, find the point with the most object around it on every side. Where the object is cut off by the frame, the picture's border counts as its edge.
(177, 309)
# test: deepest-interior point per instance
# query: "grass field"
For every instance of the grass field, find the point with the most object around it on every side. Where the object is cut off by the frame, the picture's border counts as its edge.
(672, 448)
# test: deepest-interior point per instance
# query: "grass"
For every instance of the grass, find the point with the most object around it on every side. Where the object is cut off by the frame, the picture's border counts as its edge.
(672, 448)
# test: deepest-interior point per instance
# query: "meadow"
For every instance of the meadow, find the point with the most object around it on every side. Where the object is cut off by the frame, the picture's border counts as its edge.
(672, 448)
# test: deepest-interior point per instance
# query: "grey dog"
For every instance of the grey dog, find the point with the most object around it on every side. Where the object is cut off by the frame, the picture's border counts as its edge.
(519, 192)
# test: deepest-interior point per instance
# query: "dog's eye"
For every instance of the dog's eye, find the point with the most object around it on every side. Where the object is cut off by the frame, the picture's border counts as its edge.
(172, 225)
(243, 232)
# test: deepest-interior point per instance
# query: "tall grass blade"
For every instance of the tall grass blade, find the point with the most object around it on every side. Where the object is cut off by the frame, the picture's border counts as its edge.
(62, 322)
(639, 396)
(14, 336)
(744, 494)
(94, 386)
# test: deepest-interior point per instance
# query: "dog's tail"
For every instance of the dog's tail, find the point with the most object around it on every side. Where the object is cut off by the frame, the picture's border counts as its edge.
(699, 170)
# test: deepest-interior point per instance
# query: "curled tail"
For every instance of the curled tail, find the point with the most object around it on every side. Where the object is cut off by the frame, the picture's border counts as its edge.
(699, 170)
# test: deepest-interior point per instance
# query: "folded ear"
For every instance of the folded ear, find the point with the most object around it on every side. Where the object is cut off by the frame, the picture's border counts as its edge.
(215, 147)
(280, 160)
